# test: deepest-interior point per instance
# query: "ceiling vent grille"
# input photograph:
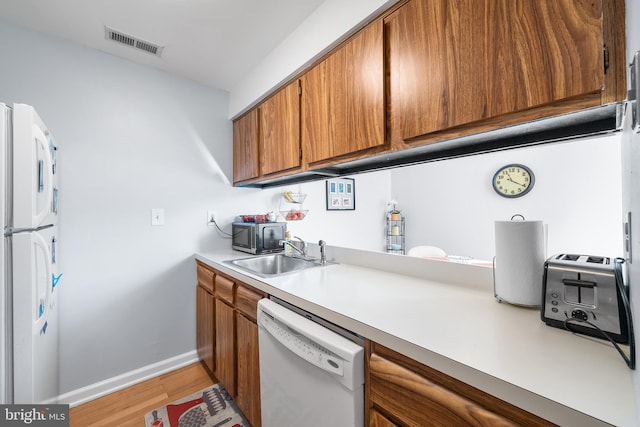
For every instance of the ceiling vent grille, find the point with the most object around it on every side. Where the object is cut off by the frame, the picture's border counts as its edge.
(135, 42)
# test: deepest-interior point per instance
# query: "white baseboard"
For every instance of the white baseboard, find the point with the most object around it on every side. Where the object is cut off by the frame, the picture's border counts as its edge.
(102, 388)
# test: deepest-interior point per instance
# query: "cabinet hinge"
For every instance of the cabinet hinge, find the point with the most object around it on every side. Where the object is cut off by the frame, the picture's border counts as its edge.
(605, 51)
(299, 90)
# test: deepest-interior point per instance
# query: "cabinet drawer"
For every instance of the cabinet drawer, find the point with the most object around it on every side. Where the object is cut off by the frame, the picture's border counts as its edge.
(205, 276)
(224, 289)
(417, 401)
(247, 301)
(376, 419)
(410, 393)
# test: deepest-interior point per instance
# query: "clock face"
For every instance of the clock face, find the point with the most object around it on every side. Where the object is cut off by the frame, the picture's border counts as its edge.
(513, 180)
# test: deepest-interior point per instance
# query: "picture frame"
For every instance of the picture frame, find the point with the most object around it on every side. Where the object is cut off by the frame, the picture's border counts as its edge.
(341, 194)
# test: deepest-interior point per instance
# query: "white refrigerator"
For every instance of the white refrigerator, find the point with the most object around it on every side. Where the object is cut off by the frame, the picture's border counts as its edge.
(29, 269)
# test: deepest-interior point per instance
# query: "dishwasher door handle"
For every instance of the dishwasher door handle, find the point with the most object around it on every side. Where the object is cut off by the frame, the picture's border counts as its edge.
(302, 346)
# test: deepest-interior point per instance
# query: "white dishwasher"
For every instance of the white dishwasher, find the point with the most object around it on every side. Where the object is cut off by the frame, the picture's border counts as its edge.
(309, 375)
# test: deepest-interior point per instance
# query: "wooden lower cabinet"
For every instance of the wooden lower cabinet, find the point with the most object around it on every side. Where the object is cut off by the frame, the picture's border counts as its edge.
(225, 370)
(248, 398)
(204, 326)
(403, 392)
(205, 306)
(248, 356)
(376, 419)
(227, 337)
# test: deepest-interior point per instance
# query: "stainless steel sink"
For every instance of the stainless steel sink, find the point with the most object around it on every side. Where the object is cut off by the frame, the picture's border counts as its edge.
(273, 265)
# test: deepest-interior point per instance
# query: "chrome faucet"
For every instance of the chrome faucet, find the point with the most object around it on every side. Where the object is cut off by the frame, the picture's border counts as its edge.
(301, 250)
(303, 245)
(323, 255)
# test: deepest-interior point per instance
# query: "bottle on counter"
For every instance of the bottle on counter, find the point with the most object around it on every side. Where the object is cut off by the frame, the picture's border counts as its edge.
(287, 248)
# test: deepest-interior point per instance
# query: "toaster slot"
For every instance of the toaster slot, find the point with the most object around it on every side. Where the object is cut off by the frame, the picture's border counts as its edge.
(580, 292)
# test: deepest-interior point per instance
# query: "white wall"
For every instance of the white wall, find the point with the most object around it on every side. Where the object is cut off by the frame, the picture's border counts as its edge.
(361, 228)
(130, 139)
(577, 193)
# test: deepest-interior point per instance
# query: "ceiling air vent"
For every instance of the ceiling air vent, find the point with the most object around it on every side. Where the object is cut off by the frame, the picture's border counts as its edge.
(129, 40)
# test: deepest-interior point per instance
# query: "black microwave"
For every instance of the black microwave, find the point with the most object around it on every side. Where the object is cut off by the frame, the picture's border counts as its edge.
(258, 237)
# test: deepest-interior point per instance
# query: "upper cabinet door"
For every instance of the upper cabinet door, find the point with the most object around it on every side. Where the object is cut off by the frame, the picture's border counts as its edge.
(454, 62)
(245, 147)
(280, 130)
(343, 99)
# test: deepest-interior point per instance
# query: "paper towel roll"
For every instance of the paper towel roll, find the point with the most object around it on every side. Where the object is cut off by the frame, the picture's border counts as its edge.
(519, 262)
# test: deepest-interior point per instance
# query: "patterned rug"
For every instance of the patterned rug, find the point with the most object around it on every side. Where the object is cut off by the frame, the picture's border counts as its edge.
(211, 407)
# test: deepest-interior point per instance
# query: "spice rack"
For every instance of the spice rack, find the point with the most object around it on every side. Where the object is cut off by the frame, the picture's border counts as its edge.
(394, 232)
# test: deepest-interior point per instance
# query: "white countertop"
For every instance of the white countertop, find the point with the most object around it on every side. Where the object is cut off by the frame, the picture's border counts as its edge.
(444, 315)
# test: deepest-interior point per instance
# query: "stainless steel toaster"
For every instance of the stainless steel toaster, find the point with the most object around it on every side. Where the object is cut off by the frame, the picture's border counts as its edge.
(581, 293)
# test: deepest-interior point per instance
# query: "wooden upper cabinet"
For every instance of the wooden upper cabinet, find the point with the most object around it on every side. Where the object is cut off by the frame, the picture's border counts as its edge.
(280, 130)
(246, 134)
(343, 98)
(431, 70)
(455, 62)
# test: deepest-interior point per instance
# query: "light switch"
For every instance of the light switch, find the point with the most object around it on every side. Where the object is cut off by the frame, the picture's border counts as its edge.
(157, 216)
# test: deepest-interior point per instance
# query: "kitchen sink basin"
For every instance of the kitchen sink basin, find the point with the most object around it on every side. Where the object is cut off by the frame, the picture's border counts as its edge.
(273, 265)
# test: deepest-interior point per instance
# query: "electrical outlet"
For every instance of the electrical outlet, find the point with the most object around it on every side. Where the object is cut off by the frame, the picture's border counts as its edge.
(211, 218)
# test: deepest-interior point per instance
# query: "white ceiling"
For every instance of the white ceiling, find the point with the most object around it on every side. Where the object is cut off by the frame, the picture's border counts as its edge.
(214, 42)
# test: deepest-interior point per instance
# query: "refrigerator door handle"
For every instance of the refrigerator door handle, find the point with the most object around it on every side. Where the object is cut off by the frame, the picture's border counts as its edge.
(45, 178)
(54, 243)
(43, 306)
(40, 176)
(56, 194)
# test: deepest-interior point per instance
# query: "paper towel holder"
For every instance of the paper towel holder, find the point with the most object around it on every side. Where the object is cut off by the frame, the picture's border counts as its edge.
(502, 300)
(529, 298)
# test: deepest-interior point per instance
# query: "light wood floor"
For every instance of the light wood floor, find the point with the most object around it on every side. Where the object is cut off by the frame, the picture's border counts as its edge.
(126, 408)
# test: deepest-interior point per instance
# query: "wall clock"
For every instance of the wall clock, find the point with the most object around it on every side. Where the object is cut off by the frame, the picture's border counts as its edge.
(513, 180)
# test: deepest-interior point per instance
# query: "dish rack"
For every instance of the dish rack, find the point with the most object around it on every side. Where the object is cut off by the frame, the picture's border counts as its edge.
(291, 207)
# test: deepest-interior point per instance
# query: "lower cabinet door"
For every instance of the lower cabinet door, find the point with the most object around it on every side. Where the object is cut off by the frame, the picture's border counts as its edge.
(225, 370)
(248, 397)
(204, 326)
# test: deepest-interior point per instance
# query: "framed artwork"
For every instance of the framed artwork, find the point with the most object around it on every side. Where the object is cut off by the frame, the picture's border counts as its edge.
(341, 194)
